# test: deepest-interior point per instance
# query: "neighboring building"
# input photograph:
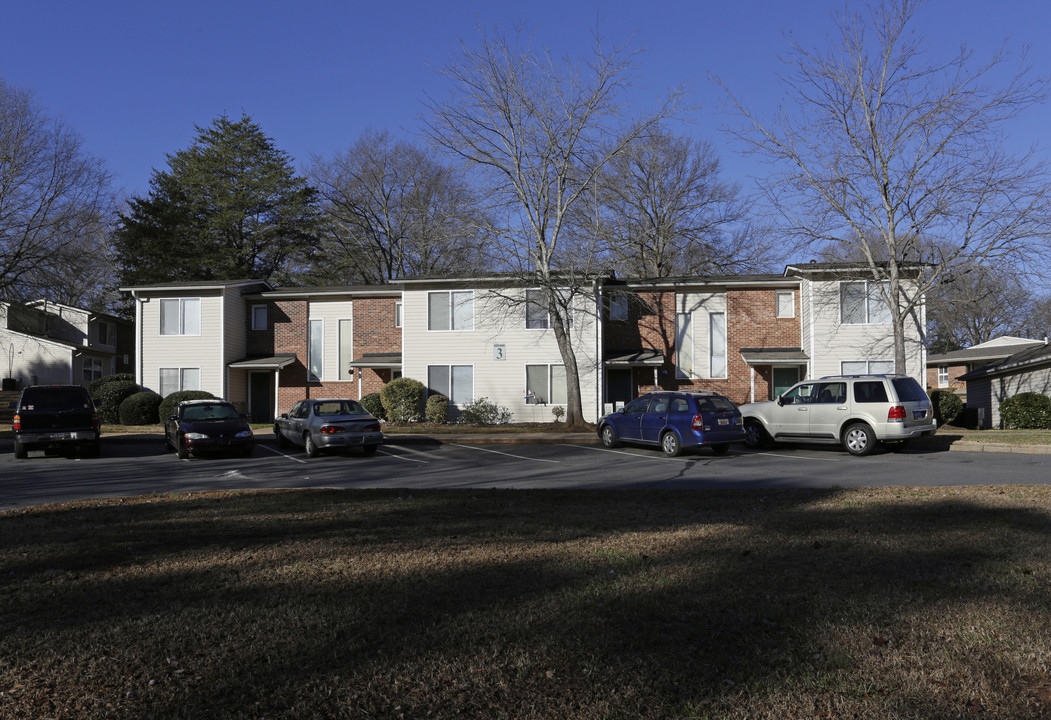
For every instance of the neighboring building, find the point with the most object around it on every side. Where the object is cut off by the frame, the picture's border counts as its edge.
(945, 370)
(1028, 370)
(44, 342)
(749, 337)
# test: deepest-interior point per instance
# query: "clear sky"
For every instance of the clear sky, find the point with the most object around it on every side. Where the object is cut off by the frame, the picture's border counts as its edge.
(134, 78)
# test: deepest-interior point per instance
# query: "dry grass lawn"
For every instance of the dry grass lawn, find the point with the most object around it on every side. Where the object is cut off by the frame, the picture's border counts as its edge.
(883, 603)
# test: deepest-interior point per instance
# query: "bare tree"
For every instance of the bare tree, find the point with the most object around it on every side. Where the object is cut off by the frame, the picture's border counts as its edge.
(976, 307)
(539, 131)
(393, 211)
(901, 157)
(660, 208)
(54, 201)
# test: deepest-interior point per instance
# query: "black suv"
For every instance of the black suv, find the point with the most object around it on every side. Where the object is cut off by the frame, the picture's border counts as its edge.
(56, 417)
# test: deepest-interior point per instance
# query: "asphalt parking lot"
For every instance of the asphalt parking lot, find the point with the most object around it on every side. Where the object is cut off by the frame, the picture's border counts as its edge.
(138, 465)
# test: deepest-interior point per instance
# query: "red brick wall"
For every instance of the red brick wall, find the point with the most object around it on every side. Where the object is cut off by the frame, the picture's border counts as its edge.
(955, 384)
(750, 320)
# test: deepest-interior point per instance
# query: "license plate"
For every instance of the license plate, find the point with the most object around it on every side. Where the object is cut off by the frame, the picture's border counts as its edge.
(919, 414)
(724, 421)
(63, 436)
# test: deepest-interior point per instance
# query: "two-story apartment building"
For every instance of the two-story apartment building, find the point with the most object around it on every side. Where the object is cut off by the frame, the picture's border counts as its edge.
(747, 336)
(45, 342)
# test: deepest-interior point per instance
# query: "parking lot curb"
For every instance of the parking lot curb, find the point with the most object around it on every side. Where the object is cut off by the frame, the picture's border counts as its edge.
(1001, 448)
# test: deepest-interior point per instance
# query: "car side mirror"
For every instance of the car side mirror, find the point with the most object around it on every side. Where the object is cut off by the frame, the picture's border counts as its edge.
(622, 410)
(284, 416)
(172, 417)
(780, 401)
(12, 405)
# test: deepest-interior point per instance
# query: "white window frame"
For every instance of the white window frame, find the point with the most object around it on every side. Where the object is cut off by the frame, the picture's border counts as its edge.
(345, 326)
(778, 295)
(91, 369)
(182, 379)
(549, 379)
(875, 310)
(256, 325)
(869, 369)
(718, 362)
(455, 398)
(315, 349)
(684, 347)
(399, 309)
(181, 330)
(943, 376)
(460, 310)
(538, 304)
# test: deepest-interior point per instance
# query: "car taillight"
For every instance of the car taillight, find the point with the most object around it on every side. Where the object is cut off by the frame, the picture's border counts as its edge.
(95, 421)
(330, 429)
(373, 427)
(698, 422)
(896, 412)
(17, 423)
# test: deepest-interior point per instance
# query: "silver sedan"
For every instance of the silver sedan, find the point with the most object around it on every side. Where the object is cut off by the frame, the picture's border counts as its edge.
(322, 424)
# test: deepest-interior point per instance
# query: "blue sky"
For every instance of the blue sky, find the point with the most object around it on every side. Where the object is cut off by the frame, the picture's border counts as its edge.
(134, 78)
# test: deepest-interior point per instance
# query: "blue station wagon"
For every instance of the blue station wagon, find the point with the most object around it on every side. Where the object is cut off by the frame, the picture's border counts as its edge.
(675, 421)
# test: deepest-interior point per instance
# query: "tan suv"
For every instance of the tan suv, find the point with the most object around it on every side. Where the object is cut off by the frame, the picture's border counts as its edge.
(858, 411)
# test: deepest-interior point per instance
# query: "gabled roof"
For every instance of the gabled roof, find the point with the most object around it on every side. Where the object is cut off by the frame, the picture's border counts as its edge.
(987, 351)
(196, 285)
(1030, 358)
(854, 269)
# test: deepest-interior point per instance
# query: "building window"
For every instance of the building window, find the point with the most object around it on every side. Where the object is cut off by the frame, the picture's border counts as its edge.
(618, 308)
(867, 367)
(105, 333)
(546, 385)
(455, 382)
(537, 316)
(684, 346)
(861, 302)
(346, 349)
(786, 304)
(259, 317)
(181, 317)
(717, 345)
(175, 379)
(398, 314)
(943, 376)
(450, 310)
(92, 369)
(315, 349)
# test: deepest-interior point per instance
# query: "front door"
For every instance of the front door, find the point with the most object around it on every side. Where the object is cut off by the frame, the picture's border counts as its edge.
(618, 387)
(784, 378)
(260, 397)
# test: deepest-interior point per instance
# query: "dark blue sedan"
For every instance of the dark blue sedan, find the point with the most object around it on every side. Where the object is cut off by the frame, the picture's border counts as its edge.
(675, 421)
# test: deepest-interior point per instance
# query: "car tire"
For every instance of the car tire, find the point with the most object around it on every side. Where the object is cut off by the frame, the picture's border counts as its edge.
(670, 444)
(609, 437)
(309, 446)
(369, 449)
(720, 448)
(21, 451)
(282, 441)
(180, 449)
(755, 435)
(858, 439)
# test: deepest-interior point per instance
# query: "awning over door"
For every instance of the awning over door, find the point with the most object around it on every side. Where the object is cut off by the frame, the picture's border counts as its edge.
(774, 356)
(634, 358)
(271, 362)
(377, 360)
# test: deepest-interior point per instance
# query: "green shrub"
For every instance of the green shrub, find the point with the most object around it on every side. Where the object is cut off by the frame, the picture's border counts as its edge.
(403, 400)
(483, 411)
(140, 408)
(558, 411)
(437, 409)
(1026, 411)
(171, 401)
(947, 406)
(119, 377)
(374, 405)
(109, 396)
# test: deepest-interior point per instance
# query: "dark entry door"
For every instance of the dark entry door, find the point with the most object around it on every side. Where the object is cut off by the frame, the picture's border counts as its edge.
(618, 386)
(260, 397)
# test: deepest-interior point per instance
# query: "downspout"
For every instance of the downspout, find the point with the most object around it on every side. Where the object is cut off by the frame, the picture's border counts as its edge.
(224, 374)
(600, 366)
(138, 337)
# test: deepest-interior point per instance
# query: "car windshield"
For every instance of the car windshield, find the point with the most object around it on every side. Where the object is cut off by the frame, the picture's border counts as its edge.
(210, 412)
(339, 407)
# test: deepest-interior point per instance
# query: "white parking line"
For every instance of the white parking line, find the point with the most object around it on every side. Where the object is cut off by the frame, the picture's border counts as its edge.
(284, 455)
(694, 457)
(654, 456)
(402, 457)
(497, 452)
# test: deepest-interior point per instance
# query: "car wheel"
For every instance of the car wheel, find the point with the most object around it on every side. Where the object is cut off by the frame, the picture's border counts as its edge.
(609, 437)
(282, 441)
(180, 449)
(21, 451)
(858, 439)
(309, 446)
(369, 449)
(755, 435)
(670, 444)
(720, 448)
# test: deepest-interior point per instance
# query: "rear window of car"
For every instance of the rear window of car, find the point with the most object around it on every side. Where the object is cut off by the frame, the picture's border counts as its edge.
(909, 390)
(55, 399)
(870, 391)
(715, 404)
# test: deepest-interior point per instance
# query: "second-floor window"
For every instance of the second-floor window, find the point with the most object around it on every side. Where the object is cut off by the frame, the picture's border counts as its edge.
(861, 302)
(181, 316)
(398, 314)
(450, 310)
(316, 349)
(259, 317)
(105, 333)
(786, 305)
(618, 308)
(717, 345)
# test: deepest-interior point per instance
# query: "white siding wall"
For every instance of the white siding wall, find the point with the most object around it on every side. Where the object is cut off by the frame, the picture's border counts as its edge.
(834, 343)
(180, 351)
(35, 361)
(495, 322)
(1037, 381)
(330, 312)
